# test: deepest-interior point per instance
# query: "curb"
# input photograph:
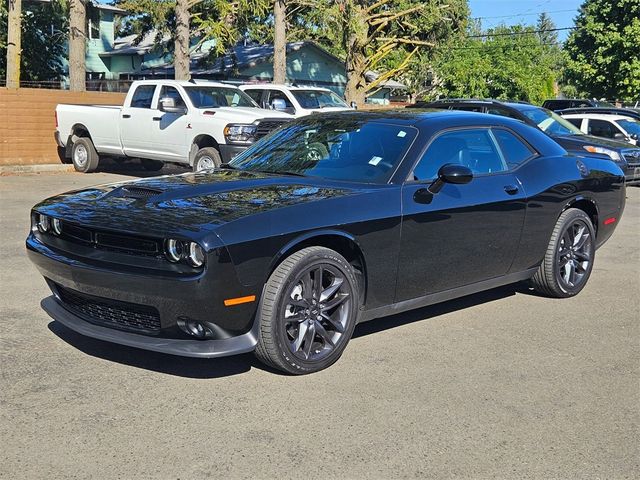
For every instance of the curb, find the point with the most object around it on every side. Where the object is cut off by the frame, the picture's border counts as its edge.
(45, 168)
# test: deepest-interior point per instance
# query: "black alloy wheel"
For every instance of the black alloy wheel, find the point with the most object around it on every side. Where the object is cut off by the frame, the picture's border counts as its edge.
(308, 311)
(568, 261)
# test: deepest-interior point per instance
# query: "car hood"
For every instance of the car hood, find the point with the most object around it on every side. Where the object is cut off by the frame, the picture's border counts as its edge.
(243, 114)
(578, 142)
(191, 201)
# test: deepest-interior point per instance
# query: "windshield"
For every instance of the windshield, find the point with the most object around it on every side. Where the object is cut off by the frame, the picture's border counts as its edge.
(550, 122)
(318, 99)
(360, 150)
(631, 126)
(212, 97)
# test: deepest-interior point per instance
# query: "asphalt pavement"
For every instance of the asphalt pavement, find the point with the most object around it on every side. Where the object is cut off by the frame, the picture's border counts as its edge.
(503, 384)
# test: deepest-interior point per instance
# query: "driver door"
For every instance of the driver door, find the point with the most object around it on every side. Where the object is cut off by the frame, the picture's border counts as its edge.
(169, 130)
(464, 233)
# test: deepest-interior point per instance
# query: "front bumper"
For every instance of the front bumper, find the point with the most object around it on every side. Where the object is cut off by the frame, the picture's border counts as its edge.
(184, 348)
(171, 297)
(228, 152)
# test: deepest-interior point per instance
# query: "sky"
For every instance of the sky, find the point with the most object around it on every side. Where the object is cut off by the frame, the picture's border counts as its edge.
(510, 12)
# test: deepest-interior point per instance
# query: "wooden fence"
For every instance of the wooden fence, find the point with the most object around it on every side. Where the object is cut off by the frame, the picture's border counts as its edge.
(27, 122)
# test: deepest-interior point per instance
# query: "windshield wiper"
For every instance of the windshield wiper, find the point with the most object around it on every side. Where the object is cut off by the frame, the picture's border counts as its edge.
(279, 172)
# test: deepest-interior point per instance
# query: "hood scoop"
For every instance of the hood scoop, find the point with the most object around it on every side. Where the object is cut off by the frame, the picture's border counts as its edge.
(133, 191)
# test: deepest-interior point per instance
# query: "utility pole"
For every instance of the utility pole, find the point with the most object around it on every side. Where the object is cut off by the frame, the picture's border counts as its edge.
(279, 41)
(14, 47)
(77, 45)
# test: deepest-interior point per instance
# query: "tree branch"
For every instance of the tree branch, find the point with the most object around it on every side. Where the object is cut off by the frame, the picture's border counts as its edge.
(387, 75)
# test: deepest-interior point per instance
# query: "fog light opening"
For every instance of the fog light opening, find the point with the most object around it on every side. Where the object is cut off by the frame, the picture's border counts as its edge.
(194, 328)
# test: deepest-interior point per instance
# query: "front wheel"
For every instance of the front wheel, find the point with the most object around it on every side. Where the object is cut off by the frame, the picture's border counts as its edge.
(206, 159)
(84, 156)
(568, 261)
(308, 311)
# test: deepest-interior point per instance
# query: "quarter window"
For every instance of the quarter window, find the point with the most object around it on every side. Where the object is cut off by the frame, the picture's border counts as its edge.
(513, 149)
(473, 148)
(602, 128)
(256, 95)
(143, 96)
(575, 121)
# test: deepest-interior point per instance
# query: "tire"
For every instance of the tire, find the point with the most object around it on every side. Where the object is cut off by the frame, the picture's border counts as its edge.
(206, 158)
(307, 336)
(316, 151)
(565, 271)
(151, 165)
(84, 156)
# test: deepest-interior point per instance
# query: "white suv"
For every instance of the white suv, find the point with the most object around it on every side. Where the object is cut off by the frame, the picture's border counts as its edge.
(613, 126)
(298, 101)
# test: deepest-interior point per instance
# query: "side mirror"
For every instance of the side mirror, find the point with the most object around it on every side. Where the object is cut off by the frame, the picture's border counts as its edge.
(168, 105)
(278, 104)
(354, 105)
(451, 173)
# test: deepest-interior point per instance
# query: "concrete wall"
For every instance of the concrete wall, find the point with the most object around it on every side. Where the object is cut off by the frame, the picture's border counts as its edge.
(27, 122)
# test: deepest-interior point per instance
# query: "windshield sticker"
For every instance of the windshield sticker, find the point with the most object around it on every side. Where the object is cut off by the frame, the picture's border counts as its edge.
(402, 133)
(375, 160)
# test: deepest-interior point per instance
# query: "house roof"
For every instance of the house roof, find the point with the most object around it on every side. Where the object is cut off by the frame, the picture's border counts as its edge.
(101, 6)
(244, 56)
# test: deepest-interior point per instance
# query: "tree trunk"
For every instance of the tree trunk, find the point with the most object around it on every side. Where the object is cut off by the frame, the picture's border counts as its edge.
(14, 48)
(355, 90)
(77, 45)
(182, 41)
(279, 42)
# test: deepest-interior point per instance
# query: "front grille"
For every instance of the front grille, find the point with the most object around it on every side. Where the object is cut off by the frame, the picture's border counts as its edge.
(110, 241)
(632, 157)
(268, 125)
(110, 313)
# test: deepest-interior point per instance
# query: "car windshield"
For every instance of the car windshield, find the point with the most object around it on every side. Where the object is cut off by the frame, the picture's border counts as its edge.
(350, 149)
(550, 122)
(318, 99)
(213, 97)
(631, 126)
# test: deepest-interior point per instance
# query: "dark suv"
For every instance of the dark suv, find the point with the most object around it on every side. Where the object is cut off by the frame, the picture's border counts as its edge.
(567, 135)
(560, 104)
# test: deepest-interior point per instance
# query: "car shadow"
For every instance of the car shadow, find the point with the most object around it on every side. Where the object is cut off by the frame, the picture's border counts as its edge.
(134, 168)
(196, 368)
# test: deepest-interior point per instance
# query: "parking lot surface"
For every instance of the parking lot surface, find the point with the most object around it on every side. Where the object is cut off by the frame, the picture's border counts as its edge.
(503, 384)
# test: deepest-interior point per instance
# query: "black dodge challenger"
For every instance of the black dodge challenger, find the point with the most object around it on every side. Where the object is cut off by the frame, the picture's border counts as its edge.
(332, 220)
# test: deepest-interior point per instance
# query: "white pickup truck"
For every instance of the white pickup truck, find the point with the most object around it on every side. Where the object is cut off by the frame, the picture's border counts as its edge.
(199, 124)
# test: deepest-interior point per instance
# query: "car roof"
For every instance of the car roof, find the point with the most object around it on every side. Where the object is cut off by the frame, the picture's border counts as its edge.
(285, 86)
(599, 116)
(185, 83)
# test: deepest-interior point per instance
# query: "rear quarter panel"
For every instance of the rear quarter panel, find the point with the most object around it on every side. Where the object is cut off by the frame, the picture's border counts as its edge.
(102, 123)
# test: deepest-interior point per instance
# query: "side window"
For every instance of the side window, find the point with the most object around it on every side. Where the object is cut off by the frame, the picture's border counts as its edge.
(277, 94)
(467, 108)
(601, 128)
(513, 149)
(142, 96)
(575, 121)
(502, 112)
(171, 92)
(256, 96)
(473, 148)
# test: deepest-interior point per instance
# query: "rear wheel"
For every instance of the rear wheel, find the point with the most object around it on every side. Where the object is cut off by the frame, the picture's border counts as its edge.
(308, 311)
(206, 159)
(568, 262)
(84, 156)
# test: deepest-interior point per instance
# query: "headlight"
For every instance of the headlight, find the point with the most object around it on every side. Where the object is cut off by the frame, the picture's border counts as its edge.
(43, 223)
(612, 154)
(56, 226)
(240, 133)
(178, 250)
(173, 249)
(196, 255)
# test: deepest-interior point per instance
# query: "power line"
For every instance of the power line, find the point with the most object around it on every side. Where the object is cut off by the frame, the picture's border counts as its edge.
(527, 32)
(523, 14)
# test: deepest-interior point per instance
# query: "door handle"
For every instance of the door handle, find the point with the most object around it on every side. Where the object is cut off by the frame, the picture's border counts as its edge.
(126, 115)
(511, 189)
(156, 119)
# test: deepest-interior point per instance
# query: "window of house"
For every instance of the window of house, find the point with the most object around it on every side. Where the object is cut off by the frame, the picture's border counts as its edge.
(93, 23)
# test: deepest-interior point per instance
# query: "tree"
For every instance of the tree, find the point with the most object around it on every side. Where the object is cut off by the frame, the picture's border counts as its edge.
(181, 57)
(43, 40)
(279, 41)
(14, 49)
(77, 45)
(603, 53)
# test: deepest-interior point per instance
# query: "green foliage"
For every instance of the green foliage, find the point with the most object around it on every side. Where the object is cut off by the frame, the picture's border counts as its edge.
(604, 49)
(44, 34)
(509, 63)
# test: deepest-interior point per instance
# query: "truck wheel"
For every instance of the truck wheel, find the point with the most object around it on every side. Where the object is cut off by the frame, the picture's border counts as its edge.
(151, 165)
(206, 158)
(84, 156)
